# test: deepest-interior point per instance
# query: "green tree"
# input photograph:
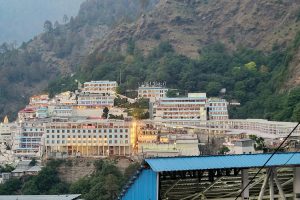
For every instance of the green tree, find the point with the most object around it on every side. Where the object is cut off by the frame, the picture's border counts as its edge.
(33, 162)
(251, 66)
(105, 113)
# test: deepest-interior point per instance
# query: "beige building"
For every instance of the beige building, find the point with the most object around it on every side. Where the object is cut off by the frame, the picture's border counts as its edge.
(153, 93)
(89, 138)
(96, 87)
(192, 107)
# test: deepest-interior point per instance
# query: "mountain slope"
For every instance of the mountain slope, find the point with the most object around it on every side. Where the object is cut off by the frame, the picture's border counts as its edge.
(57, 52)
(192, 24)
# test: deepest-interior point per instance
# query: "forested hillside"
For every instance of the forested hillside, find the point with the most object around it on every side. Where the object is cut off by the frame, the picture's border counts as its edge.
(249, 47)
(58, 51)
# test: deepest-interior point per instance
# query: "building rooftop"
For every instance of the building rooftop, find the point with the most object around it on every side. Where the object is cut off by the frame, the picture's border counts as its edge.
(222, 162)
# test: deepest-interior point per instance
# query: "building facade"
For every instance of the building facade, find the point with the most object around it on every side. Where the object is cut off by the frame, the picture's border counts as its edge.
(217, 109)
(192, 107)
(153, 93)
(95, 100)
(88, 138)
(28, 138)
(96, 87)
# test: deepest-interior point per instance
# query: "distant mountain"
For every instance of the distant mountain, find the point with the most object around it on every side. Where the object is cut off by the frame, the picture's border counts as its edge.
(22, 20)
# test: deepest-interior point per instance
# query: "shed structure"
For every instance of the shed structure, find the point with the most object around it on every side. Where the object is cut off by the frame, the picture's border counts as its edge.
(216, 177)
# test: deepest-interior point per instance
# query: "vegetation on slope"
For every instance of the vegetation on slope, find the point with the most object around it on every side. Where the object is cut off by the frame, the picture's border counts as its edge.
(57, 52)
(250, 77)
(104, 184)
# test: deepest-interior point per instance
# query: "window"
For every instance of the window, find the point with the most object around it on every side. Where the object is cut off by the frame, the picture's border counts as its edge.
(52, 136)
(47, 136)
(110, 131)
(116, 141)
(63, 136)
(110, 136)
(58, 131)
(116, 136)
(126, 136)
(48, 131)
(57, 136)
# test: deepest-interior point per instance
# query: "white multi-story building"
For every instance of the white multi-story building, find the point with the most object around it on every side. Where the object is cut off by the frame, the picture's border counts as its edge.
(96, 87)
(95, 100)
(28, 138)
(88, 137)
(152, 92)
(192, 107)
(217, 109)
(60, 111)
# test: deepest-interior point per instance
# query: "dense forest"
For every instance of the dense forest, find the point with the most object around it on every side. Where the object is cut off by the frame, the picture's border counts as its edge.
(104, 184)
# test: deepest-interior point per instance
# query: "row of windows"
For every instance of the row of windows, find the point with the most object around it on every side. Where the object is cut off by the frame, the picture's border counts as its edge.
(87, 141)
(36, 129)
(89, 131)
(87, 136)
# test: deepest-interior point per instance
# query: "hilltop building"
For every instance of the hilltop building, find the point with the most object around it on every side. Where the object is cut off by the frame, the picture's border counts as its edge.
(98, 87)
(152, 92)
(192, 107)
(97, 94)
(39, 101)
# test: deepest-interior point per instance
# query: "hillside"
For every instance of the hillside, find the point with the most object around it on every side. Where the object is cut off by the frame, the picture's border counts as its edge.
(58, 51)
(191, 25)
(173, 40)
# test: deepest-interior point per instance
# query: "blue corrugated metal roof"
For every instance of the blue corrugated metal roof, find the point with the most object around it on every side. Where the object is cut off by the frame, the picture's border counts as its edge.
(222, 162)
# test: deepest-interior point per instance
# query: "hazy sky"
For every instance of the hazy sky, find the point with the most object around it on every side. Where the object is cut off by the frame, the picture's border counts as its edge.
(21, 20)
